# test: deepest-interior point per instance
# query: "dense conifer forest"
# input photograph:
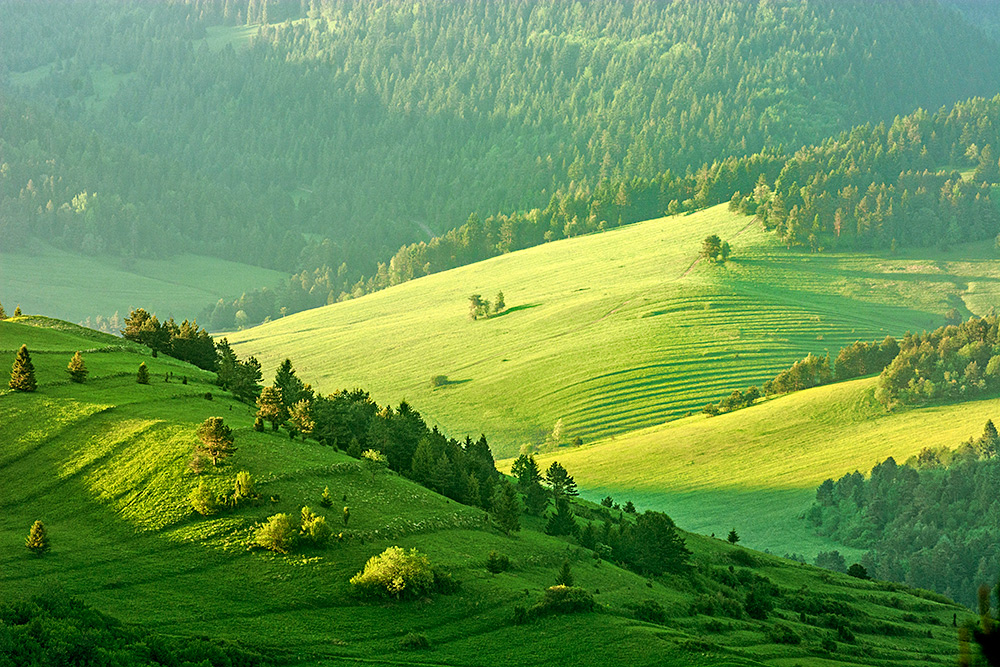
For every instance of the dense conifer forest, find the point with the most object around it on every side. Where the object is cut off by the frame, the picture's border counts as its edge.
(176, 133)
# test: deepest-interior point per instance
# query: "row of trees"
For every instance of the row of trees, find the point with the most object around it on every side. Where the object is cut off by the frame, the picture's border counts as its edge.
(930, 523)
(950, 362)
(184, 341)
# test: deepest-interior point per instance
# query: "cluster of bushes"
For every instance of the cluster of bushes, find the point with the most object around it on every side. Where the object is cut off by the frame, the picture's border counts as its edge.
(280, 533)
(480, 308)
(54, 629)
(949, 362)
(927, 523)
(400, 574)
(557, 599)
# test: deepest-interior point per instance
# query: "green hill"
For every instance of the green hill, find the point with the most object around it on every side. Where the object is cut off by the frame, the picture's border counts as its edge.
(44, 279)
(103, 464)
(757, 469)
(609, 333)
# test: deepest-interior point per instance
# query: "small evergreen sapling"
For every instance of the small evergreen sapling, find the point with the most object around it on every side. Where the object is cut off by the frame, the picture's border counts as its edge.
(326, 501)
(22, 374)
(142, 375)
(17, 311)
(565, 576)
(77, 369)
(38, 539)
(733, 537)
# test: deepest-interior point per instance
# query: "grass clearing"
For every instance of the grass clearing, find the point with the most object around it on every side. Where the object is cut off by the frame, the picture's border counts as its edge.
(44, 279)
(618, 331)
(103, 465)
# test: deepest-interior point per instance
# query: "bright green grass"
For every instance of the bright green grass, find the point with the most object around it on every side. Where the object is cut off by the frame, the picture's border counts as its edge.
(757, 469)
(616, 331)
(103, 464)
(44, 279)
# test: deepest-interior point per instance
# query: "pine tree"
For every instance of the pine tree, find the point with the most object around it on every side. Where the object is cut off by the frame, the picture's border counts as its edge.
(506, 509)
(17, 311)
(565, 576)
(271, 408)
(142, 376)
(22, 374)
(216, 439)
(77, 369)
(291, 387)
(562, 521)
(733, 538)
(325, 500)
(38, 539)
(3, 313)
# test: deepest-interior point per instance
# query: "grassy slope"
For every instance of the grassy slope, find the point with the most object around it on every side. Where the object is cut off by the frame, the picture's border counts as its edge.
(103, 464)
(616, 331)
(757, 469)
(47, 280)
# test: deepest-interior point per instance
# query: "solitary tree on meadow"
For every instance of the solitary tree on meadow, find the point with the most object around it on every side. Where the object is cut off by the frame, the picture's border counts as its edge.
(38, 539)
(216, 439)
(142, 376)
(22, 374)
(77, 369)
(733, 538)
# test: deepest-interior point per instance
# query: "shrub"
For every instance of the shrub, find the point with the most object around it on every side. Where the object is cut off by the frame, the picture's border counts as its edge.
(520, 615)
(783, 634)
(414, 641)
(395, 573)
(276, 534)
(439, 380)
(564, 600)
(314, 528)
(650, 611)
(208, 396)
(142, 375)
(497, 563)
(858, 571)
(758, 603)
(203, 500)
(326, 500)
(243, 487)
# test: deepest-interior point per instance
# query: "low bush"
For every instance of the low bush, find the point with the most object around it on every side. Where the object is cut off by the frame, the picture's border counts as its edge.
(395, 573)
(276, 534)
(564, 600)
(781, 633)
(497, 563)
(650, 611)
(414, 641)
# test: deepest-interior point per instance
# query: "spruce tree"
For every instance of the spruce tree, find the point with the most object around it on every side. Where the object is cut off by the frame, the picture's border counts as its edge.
(733, 538)
(565, 576)
(22, 374)
(3, 313)
(325, 500)
(17, 311)
(38, 539)
(142, 376)
(562, 521)
(505, 508)
(77, 369)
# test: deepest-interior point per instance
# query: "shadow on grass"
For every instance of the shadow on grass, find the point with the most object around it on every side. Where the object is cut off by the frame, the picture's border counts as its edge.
(514, 309)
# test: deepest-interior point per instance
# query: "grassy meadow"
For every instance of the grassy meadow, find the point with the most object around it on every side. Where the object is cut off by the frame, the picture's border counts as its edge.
(104, 465)
(619, 331)
(757, 469)
(47, 280)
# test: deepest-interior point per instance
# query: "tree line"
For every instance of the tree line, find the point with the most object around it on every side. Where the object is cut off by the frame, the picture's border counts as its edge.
(930, 522)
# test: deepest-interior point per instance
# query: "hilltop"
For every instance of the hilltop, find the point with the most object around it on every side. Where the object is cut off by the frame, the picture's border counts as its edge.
(104, 464)
(609, 333)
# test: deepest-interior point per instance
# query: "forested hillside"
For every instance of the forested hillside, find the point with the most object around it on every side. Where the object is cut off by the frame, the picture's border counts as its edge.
(326, 135)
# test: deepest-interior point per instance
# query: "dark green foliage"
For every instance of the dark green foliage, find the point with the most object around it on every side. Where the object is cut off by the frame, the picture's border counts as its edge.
(561, 521)
(950, 362)
(142, 375)
(629, 507)
(732, 538)
(505, 508)
(478, 307)
(782, 633)
(414, 641)
(654, 546)
(77, 369)
(858, 571)
(54, 629)
(715, 249)
(564, 600)
(560, 481)
(497, 562)
(758, 603)
(185, 341)
(607, 501)
(860, 359)
(38, 539)
(565, 575)
(291, 387)
(650, 611)
(809, 372)
(241, 378)
(927, 523)
(22, 374)
(525, 469)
